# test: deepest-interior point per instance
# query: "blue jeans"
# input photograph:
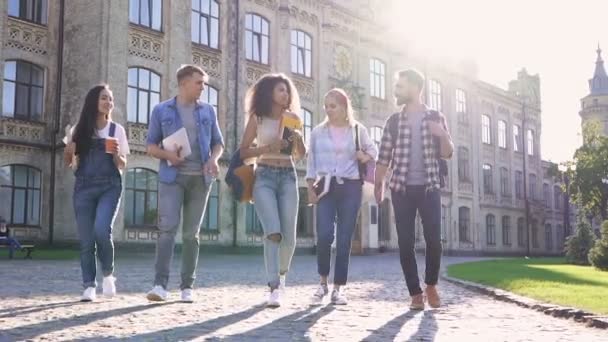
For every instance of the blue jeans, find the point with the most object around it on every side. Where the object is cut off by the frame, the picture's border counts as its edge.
(189, 193)
(95, 205)
(12, 244)
(337, 210)
(275, 195)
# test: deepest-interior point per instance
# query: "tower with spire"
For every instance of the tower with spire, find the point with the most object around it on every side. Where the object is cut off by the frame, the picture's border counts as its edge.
(594, 106)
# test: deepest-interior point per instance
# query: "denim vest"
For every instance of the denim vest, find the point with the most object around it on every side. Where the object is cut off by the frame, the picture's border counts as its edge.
(97, 164)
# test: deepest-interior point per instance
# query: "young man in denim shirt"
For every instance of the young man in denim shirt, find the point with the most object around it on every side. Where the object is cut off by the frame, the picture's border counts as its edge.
(185, 181)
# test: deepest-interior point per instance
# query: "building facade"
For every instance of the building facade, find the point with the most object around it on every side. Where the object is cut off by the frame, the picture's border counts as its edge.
(594, 106)
(52, 54)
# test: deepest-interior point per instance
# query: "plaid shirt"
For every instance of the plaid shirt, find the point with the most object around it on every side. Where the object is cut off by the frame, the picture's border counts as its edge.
(395, 151)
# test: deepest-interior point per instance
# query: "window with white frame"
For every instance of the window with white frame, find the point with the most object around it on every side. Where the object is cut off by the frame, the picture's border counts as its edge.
(376, 135)
(434, 92)
(146, 13)
(257, 38)
(308, 124)
(486, 130)
(143, 93)
(205, 23)
(461, 106)
(488, 186)
(20, 194)
(517, 138)
(301, 53)
(502, 134)
(210, 96)
(22, 91)
(377, 77)
(530, 142)
(35, 11)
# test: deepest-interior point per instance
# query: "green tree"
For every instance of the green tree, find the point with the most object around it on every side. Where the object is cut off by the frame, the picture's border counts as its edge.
(589, 171)
(578, 245)
(598, 255)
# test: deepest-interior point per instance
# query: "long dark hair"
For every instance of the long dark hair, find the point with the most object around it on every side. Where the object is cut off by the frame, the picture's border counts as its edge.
(85, 129)
(259, 97)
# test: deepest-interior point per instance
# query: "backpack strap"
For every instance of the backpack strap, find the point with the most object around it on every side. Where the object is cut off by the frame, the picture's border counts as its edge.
(112, 130)
(393, 127)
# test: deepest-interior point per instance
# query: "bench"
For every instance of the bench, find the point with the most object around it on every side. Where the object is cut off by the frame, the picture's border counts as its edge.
(28, 249)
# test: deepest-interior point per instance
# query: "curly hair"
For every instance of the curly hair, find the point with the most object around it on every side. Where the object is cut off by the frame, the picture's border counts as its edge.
(259, 97)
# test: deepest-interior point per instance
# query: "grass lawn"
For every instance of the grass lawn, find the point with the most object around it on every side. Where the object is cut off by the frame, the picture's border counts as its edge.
(547, 279)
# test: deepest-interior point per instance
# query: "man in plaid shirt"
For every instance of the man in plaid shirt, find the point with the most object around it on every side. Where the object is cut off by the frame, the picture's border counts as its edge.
(413, 142)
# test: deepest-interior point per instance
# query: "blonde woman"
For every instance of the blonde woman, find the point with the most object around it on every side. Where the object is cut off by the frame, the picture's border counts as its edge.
(275, 192)
(333, 152)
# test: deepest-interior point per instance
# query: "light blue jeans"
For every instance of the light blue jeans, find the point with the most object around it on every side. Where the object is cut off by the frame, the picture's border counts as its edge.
(275, 195)
(95, 204)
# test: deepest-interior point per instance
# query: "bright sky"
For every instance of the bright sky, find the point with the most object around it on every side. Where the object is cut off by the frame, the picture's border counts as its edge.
(556, 39)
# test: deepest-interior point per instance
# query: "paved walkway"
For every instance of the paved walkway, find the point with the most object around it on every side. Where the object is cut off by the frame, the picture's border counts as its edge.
(38, 301)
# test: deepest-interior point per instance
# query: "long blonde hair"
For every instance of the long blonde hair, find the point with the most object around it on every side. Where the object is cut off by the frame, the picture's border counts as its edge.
(340, 95)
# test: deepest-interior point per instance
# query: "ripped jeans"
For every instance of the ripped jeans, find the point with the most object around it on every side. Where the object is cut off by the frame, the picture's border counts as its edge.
(275, 195)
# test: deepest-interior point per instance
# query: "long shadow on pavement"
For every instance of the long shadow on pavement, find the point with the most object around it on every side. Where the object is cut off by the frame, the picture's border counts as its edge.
(31, 331)
(391, 329)
(292, 327)
(186, 332)
(23, 310)
(427, 329)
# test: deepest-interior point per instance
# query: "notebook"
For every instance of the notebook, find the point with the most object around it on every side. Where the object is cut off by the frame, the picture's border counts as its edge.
(178, 139)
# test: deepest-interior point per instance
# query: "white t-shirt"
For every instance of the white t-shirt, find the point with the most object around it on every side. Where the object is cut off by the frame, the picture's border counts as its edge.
(120, 134)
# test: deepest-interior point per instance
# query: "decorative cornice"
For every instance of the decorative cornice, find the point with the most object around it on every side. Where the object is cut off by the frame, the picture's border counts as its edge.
(145, 45)
(211, 62)
(270, 4)
(303, 16)
(22, 130)
(27, 37)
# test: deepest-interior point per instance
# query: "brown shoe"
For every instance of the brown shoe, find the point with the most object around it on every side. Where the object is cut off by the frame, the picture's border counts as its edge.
(432, 296)
(417, 302)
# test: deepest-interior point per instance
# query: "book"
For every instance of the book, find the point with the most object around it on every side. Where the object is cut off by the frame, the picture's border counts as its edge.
(322, 185)
(293, 122)
(176, 140)
(288, 136)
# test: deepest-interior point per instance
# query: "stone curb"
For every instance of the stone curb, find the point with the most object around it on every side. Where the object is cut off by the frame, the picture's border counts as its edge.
(589, 319)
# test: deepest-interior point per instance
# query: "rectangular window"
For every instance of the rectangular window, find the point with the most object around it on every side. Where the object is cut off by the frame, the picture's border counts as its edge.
(486, 131)
(502, 134)
(435, 95)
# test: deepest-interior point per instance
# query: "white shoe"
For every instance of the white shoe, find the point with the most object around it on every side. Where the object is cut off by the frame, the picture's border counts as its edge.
(109, 286)
(274, 299)
(338, 298)
(282, 283)
(157, 294)
(88, 295)
(187, 296)
(321, 292)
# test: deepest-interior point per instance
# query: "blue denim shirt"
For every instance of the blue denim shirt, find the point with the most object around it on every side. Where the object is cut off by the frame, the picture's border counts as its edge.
(165, 120)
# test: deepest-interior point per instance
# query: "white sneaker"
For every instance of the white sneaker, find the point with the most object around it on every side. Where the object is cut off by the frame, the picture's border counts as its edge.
(274, 299)
(282, 282)
(88, 295)
(338, 298)
(157, 294)
(321, 292)
(187, 296)
(109, 286)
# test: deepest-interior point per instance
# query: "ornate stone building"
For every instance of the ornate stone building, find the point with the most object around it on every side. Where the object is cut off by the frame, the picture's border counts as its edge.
(51, 55)
(594, 106)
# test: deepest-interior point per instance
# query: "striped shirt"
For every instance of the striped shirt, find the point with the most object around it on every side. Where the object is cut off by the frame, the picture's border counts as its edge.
(324, 157)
